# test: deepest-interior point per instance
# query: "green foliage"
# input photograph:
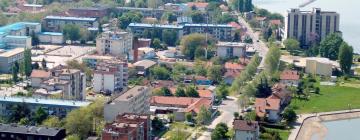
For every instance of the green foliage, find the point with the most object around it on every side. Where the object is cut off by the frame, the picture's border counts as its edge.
(225, 18)
(43, 64)
(250, 116)
(27, 62)
(169, 37)
(329, 47)
(242, 5)
(157, 124)
(74, 64)
(164, 91)
(160, 73)
(267, 33)
(272, 60)
(180, 92)
(291, 44)
(197, 17)
(289, 115)
(156, 44)
(18, 112)
(204, 116)
(263, 89)
(222, 91)
(52, 121)
(345, 57)
(190, 43)
(170, 17)
(71, 32)
(215, 73)
(40, 115)
(15, 72)
(24, 121)
(220, 132)
(199, 68)
(188, 117)
(73, 137)
(129, 17)
(191, 92)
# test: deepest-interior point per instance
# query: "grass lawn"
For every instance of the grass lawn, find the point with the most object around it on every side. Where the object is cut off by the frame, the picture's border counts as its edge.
(331, 98)
(284, 134)
(178, 130)
(5, 85)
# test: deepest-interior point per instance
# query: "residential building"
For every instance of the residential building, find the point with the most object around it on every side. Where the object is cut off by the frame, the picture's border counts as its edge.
(319, 66)
(150, 12)
(21, 132)
(18, 34)
(138, 28)
(143, 67)
(8, 58)
(280, 91)
(135, 100)
(51, 37)
(202, 80)
(115, 43)
(128, 126)
(92, 60)
(92, 12)
(232, 71)
(231, 49)
(201, 6)
(39, 76)
(57, 23)
(246, 130)
(110, 76)
(55, 107)
(268, 107)
(289, 77)
(146, 53)
(310, 26)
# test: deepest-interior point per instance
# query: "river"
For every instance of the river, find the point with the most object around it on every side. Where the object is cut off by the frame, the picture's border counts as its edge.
(348, 9)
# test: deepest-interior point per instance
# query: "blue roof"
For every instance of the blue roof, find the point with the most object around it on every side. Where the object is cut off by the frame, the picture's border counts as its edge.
(156, 25)
(54, 102)
(51, 33)
(70, 18)
(20, 37)
(16, 26)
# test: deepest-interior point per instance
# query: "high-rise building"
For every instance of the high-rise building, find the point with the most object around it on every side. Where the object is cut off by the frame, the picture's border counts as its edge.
(115, 43)
(110, 76)
(310, 26)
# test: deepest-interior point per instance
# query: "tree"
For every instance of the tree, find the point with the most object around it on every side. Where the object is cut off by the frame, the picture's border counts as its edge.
(291, 44)
(129, 17)
(345, 57)
(170, 17)
(15, 72)
(222, 91)
(204, 115)
(169, 37)
(272, 60)
(154, 3)
(34, 39)
(156, 44)
(27, 62)
(199, 68)
(79, 122)
(35, 66)
(248, 6)
(219, 132)
(43, 64)
(164, 91)
(52, 121)
(197, 17)
(215, 73)
(267, 33)
(180, 92)
(329, 47)
(238, 5)
(191, 92)
(263, 89)
(190, 43)
(157, 124)
(289, 115)
(188, 117)
(225, 18)
(71, 32)
(160, 73)
(248, 39)
(40, 115)
(18, 111)
(236, 115)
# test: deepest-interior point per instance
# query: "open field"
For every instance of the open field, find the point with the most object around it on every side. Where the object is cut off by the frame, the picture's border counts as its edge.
(178, 130)
(331, 98)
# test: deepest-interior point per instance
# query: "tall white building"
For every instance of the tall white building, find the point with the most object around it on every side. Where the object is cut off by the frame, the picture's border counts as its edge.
(110, 76)
(115, 43)
(309, 26)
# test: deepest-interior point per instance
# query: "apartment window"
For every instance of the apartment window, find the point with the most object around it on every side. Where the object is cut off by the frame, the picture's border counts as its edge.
(327, 29)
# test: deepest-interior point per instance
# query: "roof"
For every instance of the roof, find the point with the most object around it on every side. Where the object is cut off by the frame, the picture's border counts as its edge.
(195, 107)
(235, 25)
(263, 104)
(279, 91)
(42, 101)
(33, 130)
(69, 18)
(16, 26)
(260, 18)
(244, 125)
(234, 66)
(51, 33)
(289, 75)
(231, 44)
(205, 93)
(145, 63)
(40, 74)
(197, 4)
(231, 73)
(12, 52)
(173, 101)
(198, 77)
(133, 92)
(275, 22)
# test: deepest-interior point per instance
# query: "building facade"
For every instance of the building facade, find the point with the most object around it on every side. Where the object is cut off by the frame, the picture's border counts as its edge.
(51, 37)
(310, 26)
(319, 66)
(246, 130)
(57, 23)
(20, 132)
(135, 100)
(115, 43)
(8, 58)
(18, 34)
(231, 49)
(110, 76)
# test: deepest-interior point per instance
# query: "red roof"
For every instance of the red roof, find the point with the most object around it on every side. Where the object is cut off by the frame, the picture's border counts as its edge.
(173, 101)
(198, 4)
(195, 107)
(289, 75)
(234, 66)
(263, 104)
(231, 73)
(205, 93)
(40, 74)
(235, 25)
(275, 22)
(244, 125)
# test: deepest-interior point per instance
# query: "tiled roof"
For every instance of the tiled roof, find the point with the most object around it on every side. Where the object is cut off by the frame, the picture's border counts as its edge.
(204, 93)
(235, 25)
(289, 75)
(172, 101)
(198, 4)
(40, 74)
(263, 104)
(234, 66)
(195, 107)
(244, 125)
(231, 73)
(280, 91)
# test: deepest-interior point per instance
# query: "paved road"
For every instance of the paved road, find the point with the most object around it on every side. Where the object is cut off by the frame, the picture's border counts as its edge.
(227, 109)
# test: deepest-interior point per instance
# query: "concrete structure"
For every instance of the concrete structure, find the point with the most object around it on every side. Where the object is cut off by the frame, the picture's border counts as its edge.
(20, 132)
(231, 49)
(57, 23)
(53, 107)
(18, 34)
(246, 130)
(268, 107)
(135, 100)
(92, 60)
(221, 32)
(92, 12)
(150, 12)
(8, 58)
(318, 65)
(289, 77)
(128, 127)
(110, 76)
(51, 37)
(39, 76)
(143, 67)
(146, 53)
(115, 43)
(310, 26)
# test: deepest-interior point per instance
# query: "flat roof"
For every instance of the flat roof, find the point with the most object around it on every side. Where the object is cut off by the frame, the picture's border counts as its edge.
(156, 25)
(232, 44)
(33, 130)
(51, 33)
(20, 37)
(54, 102)
(145, 63)
(12, 52)
(70, 18)
(133, 92)
(16, 26)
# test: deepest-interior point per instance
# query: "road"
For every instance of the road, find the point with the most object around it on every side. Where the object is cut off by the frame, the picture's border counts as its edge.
(258, 44)
(227, 109)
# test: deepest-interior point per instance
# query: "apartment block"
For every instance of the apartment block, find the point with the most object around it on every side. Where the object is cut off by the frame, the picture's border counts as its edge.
(8, 58)
(128, 126)
(310, 26)
(135, 100)
(57, 23)
(110, 76)
(22, 132)
(115, 43)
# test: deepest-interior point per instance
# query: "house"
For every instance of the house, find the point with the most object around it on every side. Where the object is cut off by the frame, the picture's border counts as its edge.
(289, 77)
(21, 132)
(231, 49)
(202, 80)
(206, 93)
(201, 6)
(38, 76)
(268, 107)
(246, 130)
(128, 126)
(232, 71)
(143, 67)
(280, 91)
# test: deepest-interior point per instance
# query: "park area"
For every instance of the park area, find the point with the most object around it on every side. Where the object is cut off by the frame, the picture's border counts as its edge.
(331, 98)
